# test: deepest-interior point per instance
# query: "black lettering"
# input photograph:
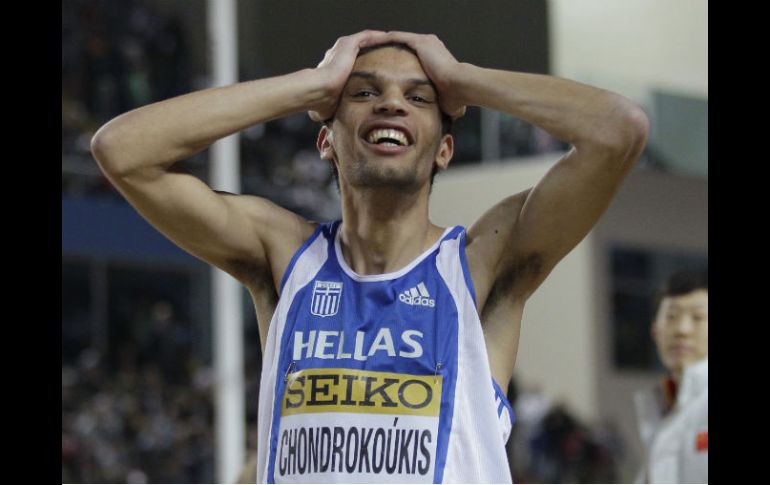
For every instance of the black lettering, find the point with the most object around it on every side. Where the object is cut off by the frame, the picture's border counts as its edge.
(369, 392)
(326, 439)
(414, 453)
(293, 452)
(300, 393)
(424, 467)
(402, 394)
(302, 451)
(349, 390)
(348, 466)
(337, 447)
(282, 460)
(404, 450)
(312, 452)
(364, 449)
(377, 467)
(315, 389)
(391, 467)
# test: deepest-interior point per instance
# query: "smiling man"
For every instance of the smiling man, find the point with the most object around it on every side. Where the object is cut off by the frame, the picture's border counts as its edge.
(377, 366)
(673, 419)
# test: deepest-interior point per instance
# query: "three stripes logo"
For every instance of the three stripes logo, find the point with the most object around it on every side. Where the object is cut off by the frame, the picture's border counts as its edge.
(417, 295)
(326, 298)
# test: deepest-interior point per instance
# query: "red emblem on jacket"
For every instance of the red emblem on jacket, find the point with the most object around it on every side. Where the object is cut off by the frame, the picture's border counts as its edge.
(702, 441)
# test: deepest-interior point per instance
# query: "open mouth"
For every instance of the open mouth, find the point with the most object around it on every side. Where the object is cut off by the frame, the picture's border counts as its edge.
(391, 137)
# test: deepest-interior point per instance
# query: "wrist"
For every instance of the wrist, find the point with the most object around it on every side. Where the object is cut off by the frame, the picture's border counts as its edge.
(463, 85)
(324, 91)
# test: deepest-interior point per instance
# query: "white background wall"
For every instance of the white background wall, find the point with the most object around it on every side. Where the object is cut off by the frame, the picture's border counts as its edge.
(630, 46)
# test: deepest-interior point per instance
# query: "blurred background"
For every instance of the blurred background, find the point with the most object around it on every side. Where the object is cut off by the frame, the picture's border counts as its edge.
(138, 376)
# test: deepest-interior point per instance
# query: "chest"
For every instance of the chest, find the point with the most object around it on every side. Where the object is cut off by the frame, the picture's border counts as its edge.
(407, 323)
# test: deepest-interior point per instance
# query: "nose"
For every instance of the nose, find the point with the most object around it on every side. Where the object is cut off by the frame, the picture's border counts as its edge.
(684, 325)
(391, 102)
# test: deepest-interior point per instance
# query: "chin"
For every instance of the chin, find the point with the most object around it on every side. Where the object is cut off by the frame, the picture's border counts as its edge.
(371, 175)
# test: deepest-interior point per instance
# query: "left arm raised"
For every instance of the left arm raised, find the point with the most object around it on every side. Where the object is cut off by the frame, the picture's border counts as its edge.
(531, 232)
(607, 133)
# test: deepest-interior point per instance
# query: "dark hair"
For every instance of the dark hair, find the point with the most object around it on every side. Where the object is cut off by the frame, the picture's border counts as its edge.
(446, 120)
(681, 283)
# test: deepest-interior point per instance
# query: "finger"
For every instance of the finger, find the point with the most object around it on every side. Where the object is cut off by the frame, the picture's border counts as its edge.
(315, 116)
(364, 35)
(459, 114)
(409, 38)
(373, 37)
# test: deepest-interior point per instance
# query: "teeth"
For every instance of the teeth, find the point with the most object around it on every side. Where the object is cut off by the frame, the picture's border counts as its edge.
(393, 134)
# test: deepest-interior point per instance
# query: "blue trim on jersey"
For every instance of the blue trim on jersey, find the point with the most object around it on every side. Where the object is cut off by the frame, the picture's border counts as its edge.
(464, 264)
(284, 351)
(296, 256)
(447, 398)
(504, 402)
(368, 307)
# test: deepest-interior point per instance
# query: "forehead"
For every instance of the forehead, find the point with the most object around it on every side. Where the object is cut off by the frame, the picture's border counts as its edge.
(390, 62)
(698, 299)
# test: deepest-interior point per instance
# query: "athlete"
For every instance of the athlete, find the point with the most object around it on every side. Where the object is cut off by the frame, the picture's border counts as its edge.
(376, 365)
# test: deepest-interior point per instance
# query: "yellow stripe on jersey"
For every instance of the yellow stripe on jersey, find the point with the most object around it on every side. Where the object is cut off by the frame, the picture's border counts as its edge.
(360, 391)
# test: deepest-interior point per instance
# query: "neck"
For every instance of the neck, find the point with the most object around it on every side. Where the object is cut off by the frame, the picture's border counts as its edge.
(383, 229)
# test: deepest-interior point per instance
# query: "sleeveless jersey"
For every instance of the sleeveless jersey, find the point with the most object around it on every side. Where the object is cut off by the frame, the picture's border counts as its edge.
(379, 378)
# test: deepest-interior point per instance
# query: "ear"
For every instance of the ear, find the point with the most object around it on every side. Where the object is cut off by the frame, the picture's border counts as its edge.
(446, 149)
(324, 143)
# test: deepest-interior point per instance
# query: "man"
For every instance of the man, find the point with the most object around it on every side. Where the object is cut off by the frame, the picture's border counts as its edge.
(374, 319)
(673, 419)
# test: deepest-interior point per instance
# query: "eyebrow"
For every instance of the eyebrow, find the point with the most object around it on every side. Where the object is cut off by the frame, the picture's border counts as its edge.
(372, 76)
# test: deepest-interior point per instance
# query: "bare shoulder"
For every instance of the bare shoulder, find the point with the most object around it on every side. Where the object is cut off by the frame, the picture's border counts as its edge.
(280, 231)
(488, 245)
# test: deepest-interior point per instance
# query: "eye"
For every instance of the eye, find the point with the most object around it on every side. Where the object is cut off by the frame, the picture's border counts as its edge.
(672, 316)
(697, 317)
(418, 99)
(364, 93)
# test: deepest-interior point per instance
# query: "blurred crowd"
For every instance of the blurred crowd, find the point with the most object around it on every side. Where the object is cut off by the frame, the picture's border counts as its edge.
(149, 419)
(143, 413)
(549, 444)
(117, 56)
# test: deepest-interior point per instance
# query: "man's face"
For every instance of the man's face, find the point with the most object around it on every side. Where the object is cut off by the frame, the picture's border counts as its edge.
(681, 330)
(387, 128)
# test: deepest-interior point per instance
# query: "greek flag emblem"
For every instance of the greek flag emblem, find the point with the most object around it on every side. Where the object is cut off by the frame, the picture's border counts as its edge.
(326, 298)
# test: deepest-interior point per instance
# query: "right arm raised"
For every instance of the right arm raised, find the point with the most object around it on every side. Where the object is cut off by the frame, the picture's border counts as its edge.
(137, 149)
(136, 152)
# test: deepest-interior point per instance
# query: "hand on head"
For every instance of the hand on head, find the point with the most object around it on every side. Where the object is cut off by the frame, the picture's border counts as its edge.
(336, 66)
(439, 64)
(435, 58)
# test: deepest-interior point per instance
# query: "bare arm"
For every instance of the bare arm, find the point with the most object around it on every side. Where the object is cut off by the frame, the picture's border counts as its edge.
(136, 152)
(607, 133)
(536, 230)
(515, 245)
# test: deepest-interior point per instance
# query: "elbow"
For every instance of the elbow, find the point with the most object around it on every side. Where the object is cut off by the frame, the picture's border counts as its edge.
(106, 151)
(98, 148)
(636, 126)
(102, 149)
(623, 134)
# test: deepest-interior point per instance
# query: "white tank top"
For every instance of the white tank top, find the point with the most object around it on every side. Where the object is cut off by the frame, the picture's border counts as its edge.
(379, 378)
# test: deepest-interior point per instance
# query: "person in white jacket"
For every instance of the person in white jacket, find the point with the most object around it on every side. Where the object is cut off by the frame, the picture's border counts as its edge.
(673, 418)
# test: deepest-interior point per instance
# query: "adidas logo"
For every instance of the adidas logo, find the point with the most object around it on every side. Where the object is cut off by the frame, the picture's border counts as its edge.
(417, 295)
